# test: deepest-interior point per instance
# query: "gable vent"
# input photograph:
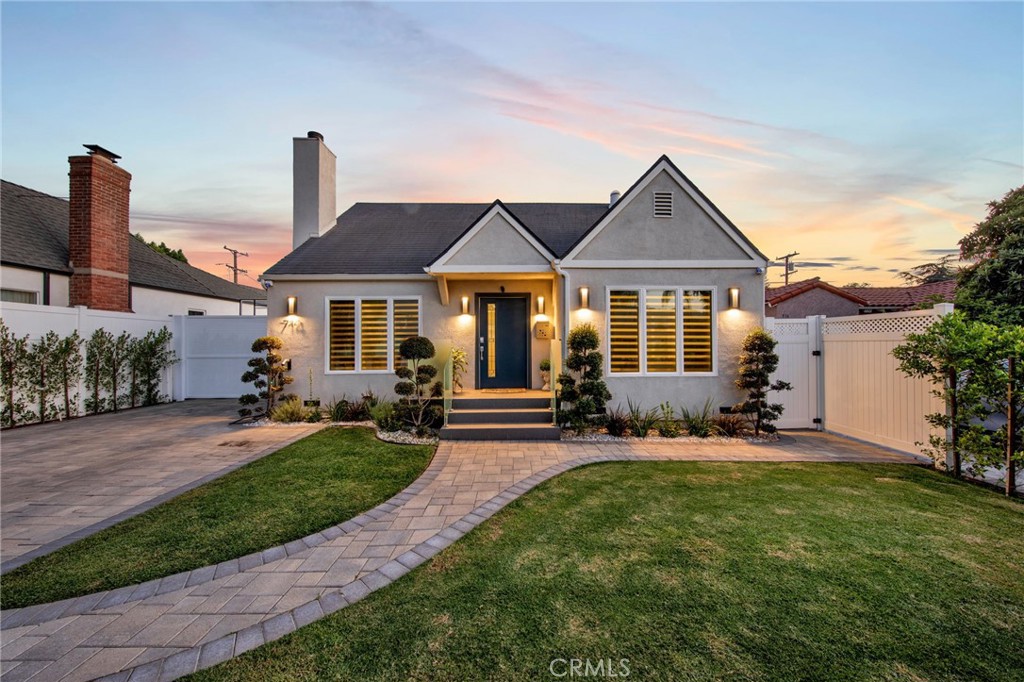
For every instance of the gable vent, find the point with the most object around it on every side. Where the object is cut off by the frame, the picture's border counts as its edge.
(663, 204)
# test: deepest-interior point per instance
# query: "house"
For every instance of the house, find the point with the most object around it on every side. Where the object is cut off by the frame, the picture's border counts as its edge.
(671, 284)
(810, 297)
(80, 252)
(815, 297)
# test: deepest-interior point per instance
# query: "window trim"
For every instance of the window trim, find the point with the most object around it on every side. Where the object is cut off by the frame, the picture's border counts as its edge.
(359, 331)
(642, 290)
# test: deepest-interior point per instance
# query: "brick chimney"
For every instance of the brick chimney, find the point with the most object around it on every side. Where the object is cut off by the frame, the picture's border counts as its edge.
(98, 230)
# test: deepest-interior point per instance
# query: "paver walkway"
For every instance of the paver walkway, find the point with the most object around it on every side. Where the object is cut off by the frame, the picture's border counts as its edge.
(66, 480)
(171, 627)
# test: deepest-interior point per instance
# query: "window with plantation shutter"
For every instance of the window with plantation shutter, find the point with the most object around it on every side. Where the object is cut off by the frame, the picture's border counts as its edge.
(363, 334)
(697, 316)
(407, 323)
(624, 334)
(661, 331)
(373, 335)
(342, 351)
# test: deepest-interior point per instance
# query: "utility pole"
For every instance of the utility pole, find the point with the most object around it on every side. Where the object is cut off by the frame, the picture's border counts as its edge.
(789, 268)
(234, 263)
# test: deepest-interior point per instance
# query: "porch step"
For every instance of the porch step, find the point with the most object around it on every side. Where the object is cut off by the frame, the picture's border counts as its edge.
(507, 416)
(501, 403)
(500, 431)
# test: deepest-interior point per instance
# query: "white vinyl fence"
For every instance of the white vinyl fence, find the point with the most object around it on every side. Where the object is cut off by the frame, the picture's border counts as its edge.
(845, 379)
(212, 350)
(866, 396)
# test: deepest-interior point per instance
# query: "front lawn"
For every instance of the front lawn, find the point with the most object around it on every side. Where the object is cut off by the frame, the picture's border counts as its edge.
(698, 571)
(319, 481)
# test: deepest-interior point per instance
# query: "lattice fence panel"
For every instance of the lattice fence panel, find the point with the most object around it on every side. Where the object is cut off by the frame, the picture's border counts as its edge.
(879, 324)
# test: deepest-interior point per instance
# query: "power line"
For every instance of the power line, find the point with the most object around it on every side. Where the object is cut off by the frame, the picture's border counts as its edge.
(235, 253)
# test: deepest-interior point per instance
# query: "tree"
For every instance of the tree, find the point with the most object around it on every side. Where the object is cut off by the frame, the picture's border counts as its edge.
(415, 381)
(942, 270)
(176, 254)
(958, 355)
(856, 285)
(581, 385)
(758, 362)
(267, 375)
(992, 288)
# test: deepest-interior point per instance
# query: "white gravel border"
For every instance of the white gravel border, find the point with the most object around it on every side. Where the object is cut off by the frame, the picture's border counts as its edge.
(405, 438)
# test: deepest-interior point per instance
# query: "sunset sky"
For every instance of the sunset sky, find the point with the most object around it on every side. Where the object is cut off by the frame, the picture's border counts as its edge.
(866, 136)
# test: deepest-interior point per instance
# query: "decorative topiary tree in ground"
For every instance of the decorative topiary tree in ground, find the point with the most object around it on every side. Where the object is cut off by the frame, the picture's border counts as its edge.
(757, 363)
(581, 385)
(414, 387)
(267, 376)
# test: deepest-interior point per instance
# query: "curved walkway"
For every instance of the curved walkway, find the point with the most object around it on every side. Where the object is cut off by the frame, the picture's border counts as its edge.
(168, 628)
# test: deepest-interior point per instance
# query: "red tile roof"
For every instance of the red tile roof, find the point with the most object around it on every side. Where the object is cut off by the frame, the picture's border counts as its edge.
(904, 297)
(775, 296)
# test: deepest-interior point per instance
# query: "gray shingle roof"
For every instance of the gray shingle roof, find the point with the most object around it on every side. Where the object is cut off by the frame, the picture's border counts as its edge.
(34, 234)
(400, 239)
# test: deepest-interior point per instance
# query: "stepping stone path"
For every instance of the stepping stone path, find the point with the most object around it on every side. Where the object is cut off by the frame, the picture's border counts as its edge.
(168, 628)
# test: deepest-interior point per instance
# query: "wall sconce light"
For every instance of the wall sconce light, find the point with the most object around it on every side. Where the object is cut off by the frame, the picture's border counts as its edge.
(465, 305)
(540, 305)
(584, 297)
(734, 297)
(293, 305)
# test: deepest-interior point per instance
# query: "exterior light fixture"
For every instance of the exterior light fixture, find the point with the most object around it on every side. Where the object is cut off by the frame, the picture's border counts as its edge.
(540, 305)
(465, 305)
(734, 297)
(584, 297)
(293, 305)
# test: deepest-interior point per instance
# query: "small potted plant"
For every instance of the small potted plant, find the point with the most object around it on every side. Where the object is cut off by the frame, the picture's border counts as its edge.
(545, 374)
(312, 402)
(459, 360)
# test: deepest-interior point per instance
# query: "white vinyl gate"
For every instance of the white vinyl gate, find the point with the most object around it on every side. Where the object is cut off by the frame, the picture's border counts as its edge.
(799, 353)
(214, 350)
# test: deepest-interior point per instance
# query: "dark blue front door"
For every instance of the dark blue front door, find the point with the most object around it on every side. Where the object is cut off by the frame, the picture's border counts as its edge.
(503, 333)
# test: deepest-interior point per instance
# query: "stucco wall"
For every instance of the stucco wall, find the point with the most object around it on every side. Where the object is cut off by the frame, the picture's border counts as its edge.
(731, 327)
(814, 302)
(497, 243)
(635, 234)
(304, 337)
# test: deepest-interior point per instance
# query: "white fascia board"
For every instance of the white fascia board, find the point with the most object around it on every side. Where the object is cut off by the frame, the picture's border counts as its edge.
(438, 264)
(347, 278)
(488, 269)
(686, 187)
(663, 264)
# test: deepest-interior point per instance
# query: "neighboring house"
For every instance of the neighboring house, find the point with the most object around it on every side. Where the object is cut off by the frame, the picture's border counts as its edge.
(810, 297)
(80, 252)
(671, 284)
(895, 299)
(814, 297)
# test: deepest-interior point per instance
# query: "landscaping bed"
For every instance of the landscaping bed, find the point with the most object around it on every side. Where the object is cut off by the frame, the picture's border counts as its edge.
(697, 571)
(319, 481)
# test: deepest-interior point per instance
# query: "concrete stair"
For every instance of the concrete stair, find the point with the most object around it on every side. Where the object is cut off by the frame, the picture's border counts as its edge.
(500, 418)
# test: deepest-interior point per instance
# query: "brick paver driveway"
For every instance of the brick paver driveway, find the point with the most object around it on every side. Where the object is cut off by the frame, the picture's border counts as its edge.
(65, 480)
(170, 627)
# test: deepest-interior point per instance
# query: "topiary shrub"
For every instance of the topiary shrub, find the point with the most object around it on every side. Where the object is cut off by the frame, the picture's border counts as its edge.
(757, 363)
(414, 387)
(267, 375)
(581, 385)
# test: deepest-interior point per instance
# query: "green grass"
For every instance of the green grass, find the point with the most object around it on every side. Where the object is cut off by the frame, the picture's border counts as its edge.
(698, 571)
(319, 481)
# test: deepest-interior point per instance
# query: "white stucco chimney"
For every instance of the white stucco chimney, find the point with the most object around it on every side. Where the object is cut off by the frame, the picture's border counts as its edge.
(313, 198)
(614, 197)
